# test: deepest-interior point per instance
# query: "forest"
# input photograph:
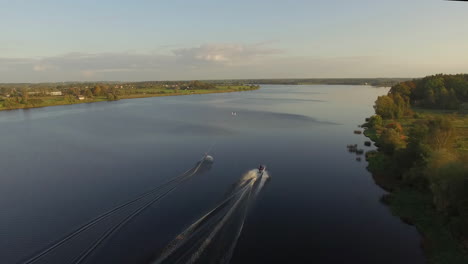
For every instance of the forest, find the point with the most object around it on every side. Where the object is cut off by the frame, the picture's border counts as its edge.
(445, 92)
(421, 130)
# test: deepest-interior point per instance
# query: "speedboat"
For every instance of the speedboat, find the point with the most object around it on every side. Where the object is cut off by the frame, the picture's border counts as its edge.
(261, 168)
(208, 158)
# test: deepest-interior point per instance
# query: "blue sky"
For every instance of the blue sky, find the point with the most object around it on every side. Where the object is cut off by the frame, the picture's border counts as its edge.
(52, 40)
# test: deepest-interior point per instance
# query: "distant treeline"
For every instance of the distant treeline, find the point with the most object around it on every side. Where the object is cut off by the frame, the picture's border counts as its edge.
(26, 95)
(440, 91)
(380, 82)
(67, 86)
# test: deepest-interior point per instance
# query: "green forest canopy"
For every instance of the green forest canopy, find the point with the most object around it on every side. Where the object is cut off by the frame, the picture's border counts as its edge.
(440, 91)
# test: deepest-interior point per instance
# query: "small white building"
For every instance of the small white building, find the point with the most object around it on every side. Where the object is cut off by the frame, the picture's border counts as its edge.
(80, 97)
(56, 93)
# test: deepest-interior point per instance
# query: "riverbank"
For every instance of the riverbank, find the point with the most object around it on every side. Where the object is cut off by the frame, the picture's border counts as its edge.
(414, 195)
(45, 101)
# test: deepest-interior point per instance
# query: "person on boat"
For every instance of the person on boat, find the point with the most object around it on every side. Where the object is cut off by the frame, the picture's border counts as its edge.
(261, 168)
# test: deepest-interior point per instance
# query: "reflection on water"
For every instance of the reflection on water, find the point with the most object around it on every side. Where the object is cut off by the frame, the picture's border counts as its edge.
(64, 166)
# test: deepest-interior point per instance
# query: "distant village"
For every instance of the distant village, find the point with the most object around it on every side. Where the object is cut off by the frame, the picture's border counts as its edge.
(14, 96)
(81, 91)
(86, 90)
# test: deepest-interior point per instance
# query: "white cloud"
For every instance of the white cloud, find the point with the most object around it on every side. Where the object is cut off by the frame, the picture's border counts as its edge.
(214, 61)
(225, 53)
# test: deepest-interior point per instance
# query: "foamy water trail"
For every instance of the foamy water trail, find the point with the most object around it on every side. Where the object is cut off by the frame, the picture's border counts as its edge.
(263, 179)
(213, 237)
(136, 206)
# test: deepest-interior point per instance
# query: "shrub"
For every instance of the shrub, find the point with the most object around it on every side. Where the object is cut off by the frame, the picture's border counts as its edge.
(385, 107)
(375, 121)
(448, 186)
(391, 140)
(395, 126)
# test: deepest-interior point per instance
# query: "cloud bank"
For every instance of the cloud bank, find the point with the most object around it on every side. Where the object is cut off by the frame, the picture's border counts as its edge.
(211, 61)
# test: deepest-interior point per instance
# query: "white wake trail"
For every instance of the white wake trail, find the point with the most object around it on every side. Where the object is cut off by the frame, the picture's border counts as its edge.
(213, 237)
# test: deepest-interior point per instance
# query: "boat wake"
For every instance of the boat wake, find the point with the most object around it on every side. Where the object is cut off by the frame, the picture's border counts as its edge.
(92, 234)
(213, 237)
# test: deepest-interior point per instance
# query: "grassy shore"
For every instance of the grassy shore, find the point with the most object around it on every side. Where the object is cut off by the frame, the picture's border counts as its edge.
(44, 101)
(414, 205)
(459, 121)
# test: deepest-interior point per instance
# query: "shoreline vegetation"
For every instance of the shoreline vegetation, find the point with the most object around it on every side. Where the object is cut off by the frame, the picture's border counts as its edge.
(421, 131)
(35, 95)
(25, 96)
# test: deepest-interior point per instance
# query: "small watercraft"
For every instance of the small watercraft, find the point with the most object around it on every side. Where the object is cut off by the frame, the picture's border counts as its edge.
(261, 168)
(208, 158)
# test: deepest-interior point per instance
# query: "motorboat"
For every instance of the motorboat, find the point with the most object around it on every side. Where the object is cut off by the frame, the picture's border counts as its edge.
(261, 168)
(208, 158)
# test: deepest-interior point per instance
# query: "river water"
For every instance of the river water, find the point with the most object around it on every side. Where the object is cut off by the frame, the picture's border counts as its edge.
(65, 165)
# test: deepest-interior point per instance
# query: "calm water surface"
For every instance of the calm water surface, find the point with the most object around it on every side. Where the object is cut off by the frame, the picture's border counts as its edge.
(62, 166)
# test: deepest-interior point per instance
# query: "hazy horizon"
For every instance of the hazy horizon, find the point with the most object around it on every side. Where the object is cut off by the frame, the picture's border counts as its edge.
(237, 79)
(56, 41)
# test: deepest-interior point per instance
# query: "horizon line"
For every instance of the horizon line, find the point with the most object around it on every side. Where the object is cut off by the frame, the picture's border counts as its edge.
(227, 79)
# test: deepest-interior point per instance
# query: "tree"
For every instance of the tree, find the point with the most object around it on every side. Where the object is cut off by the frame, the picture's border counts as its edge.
(9, 103)
(88, 93)
(459, 85)
(441, 132)
(418, 138)
(97, 91)
(395, 126)
(375, 121)
(391, 141)
(385, 107)
(402, 89)
(436, 83)
(24, 96)
(439, 91)
(70, 98)
(110, 97)
(197, 85)
(452, 100)
(401, 106)
(430, 98)
(448, 184)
